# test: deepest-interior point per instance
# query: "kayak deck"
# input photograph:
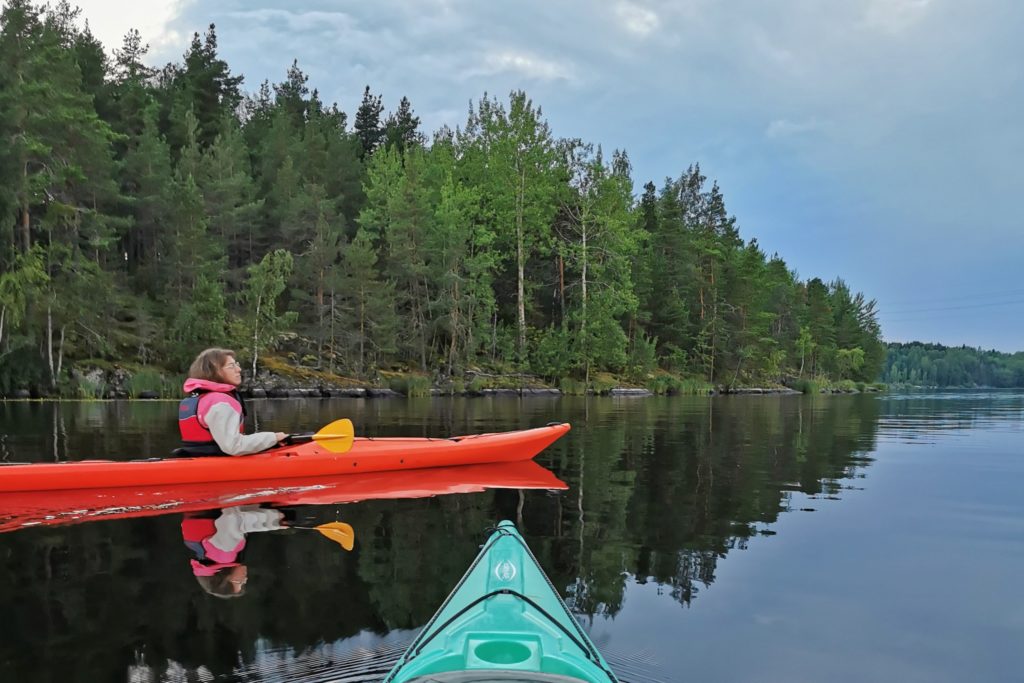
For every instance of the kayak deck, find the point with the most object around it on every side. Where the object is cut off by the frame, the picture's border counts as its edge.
(302, 460)
(504, 621)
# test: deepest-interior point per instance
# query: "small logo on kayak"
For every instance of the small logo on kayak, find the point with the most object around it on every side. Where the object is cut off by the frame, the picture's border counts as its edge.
(505, 571)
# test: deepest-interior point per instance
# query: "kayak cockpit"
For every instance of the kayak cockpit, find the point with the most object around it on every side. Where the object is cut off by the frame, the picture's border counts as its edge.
(495, 677)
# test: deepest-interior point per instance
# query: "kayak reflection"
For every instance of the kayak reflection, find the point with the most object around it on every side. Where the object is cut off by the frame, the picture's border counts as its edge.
(23, 509)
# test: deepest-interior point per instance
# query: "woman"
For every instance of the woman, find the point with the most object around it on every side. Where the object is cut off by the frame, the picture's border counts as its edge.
(211, 417)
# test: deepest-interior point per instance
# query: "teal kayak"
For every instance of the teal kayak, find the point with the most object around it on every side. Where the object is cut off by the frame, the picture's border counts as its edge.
(503, 622)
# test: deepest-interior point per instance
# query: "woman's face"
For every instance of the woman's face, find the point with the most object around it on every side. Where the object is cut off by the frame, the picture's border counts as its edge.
(231, 372)
(238, 577)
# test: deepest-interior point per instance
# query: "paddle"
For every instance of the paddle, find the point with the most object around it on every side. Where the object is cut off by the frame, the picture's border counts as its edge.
(339, 532)
(336, 437)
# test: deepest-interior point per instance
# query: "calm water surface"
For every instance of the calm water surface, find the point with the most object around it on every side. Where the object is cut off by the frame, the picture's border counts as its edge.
(858, 538)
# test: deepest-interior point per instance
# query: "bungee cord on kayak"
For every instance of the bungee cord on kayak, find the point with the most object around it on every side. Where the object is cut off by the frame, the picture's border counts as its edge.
(488, 626)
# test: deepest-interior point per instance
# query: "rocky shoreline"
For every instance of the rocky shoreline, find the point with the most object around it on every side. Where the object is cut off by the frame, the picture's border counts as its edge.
(118, 382)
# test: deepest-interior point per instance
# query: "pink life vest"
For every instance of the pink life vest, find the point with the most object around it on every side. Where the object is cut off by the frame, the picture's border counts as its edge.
(196, 438)
(208, 559)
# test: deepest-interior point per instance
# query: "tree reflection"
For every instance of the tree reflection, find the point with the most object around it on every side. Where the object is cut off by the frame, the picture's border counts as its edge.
(661, 490)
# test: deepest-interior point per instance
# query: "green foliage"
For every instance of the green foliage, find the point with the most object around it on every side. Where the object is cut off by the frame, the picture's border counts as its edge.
(695, 386)
(918, 364)
(553, 355)
(267, 280)
(139, 205)
(602, 384)
(844, 385)
(663, 384)
(572, 387)
(150, 379)
(807, 386)
(85, 387)
(413, 386)
(643, 357)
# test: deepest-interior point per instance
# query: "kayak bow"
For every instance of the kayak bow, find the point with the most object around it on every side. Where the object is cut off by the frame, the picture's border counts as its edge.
(309, 459)
(503, 622)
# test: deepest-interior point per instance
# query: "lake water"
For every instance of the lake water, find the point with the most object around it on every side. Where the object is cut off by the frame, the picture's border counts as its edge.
(838, 538)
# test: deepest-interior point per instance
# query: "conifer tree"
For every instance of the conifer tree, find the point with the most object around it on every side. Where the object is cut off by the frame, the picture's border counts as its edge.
(401, 129)
(368, 124)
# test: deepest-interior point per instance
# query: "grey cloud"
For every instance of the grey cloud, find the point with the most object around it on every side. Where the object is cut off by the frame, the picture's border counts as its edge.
(855, 123)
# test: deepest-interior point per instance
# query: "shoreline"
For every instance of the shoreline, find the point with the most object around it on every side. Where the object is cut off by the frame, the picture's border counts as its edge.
(277, 378)
(378, 393)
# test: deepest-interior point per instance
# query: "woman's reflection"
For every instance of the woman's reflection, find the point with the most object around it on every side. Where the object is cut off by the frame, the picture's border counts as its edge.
(216, 540)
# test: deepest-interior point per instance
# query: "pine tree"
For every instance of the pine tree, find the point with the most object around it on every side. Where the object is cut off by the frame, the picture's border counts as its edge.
(400, 130)
(206, 87)
(368, 124)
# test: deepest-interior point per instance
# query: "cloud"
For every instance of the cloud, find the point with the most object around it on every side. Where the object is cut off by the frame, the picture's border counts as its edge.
(523, 64)
(312, 21)
(109, 22)
(895, 16)
(636, 19)
(785, 128)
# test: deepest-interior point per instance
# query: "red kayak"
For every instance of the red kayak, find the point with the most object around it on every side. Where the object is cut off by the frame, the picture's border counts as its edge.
(310, 459)
(19, 510)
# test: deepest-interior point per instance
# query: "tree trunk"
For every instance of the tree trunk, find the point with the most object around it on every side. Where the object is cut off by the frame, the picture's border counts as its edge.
(332, 330)
(561, 286)
(49, 344)
(583, 308)
(26, 222)
(26, 233)
(362, 331)
(256, 336)
(320, 320)
(520, 265)
(453, 347)
(60, 351)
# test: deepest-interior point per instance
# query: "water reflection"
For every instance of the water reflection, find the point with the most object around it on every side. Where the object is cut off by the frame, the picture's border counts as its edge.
(26, 509)
(216, 541)
(663, 496)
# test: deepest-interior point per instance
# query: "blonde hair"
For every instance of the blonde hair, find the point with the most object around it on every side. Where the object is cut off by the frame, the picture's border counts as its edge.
(208, 364)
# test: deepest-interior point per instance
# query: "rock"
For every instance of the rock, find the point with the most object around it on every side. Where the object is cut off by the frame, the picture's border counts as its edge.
(148, 394)
(22, 393)
(541, 391)
(381, 392)
(630, 391)
(277, 392)
(499, 392)
(257, 392)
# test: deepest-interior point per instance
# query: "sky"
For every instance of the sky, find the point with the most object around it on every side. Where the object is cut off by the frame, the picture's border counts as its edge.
(877, 141)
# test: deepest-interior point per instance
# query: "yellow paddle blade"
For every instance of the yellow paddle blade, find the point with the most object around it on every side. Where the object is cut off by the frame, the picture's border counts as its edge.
(336, 437)
(339, 532)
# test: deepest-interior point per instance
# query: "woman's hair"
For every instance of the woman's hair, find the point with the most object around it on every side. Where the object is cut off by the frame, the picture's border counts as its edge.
(219, 585)
(207, 364)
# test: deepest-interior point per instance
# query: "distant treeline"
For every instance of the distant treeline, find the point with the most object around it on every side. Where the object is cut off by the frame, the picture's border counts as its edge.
(150, 212)
(944, 366)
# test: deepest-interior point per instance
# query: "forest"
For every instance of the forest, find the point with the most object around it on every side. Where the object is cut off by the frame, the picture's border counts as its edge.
(935, 365)
(149, 212)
